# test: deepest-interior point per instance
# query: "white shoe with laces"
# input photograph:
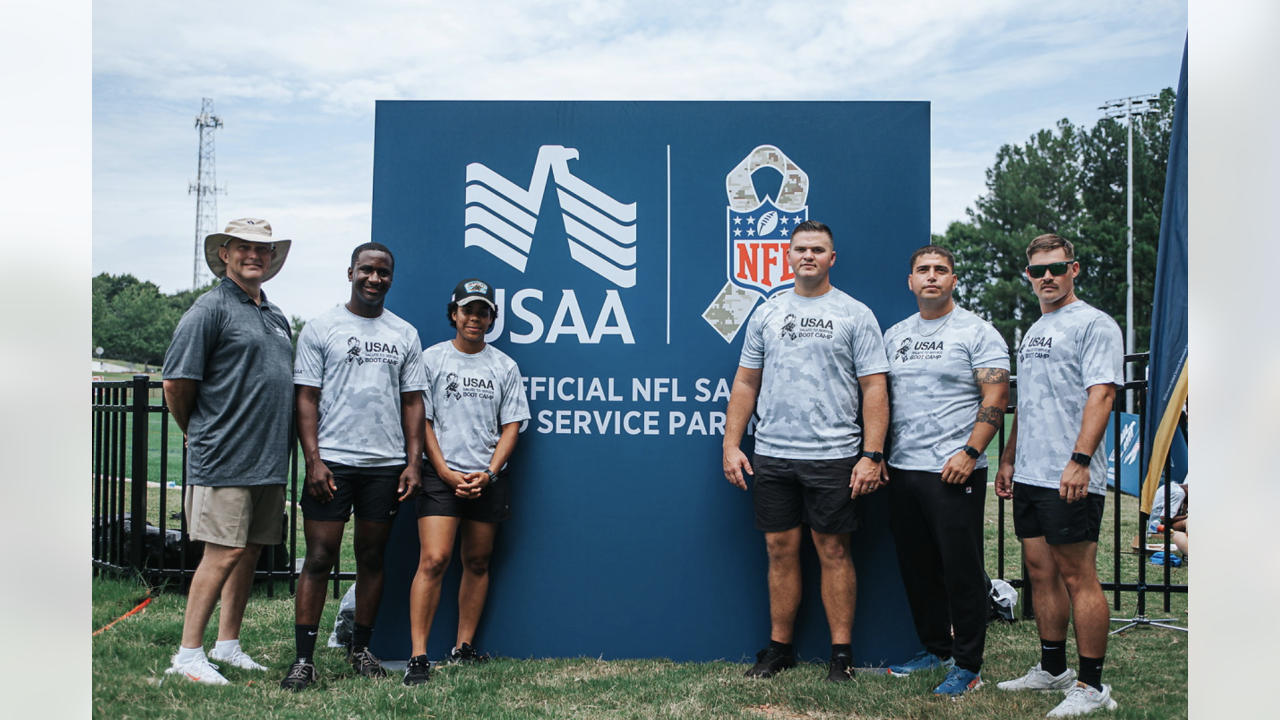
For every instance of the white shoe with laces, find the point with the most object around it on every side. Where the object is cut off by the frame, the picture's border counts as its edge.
(236, 658)
(198, 670)
(1084, 699)
(1037, 679)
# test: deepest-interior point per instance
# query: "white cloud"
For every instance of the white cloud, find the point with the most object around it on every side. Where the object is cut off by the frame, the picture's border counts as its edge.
(297, 83)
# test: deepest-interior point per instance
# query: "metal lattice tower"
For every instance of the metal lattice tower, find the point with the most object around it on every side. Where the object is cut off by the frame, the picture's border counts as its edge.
(205, 189)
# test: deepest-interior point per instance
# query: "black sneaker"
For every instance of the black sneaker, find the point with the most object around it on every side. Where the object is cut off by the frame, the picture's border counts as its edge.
(301, 675)
(419, 670)
(466, 655)
(841, 668)
(771, 661)
(366, 664)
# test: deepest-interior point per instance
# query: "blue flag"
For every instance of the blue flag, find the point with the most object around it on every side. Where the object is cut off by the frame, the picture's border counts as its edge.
(1167, 378)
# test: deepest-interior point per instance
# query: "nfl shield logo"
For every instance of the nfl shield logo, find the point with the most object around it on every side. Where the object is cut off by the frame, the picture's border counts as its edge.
(758, 243)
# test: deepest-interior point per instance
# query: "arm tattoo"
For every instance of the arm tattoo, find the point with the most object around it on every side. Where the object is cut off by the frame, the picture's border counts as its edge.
(990, 376)
(991, 415)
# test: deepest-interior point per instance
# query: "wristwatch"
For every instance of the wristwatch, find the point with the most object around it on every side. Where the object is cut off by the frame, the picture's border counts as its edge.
(1081, 458)
(972, 452)
(875, 456)
(493, 476)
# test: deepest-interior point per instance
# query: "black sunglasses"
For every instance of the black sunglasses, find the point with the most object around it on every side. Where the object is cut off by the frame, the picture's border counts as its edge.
(1058, 268)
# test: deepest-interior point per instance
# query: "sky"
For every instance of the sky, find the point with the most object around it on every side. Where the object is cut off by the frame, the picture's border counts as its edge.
(295, 85)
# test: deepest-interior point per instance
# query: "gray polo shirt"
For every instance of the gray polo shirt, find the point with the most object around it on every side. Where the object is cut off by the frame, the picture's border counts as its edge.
(241, 356)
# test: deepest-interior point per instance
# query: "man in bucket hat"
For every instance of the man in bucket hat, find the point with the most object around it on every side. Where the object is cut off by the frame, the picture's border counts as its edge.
(228, 380)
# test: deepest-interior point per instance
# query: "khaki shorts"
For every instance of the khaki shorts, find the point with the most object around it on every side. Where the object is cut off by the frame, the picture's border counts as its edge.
(235, 516)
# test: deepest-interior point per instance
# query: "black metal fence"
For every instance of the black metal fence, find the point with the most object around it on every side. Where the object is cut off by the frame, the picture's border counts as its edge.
(1119, 506)
(134, 437)
(139, 480)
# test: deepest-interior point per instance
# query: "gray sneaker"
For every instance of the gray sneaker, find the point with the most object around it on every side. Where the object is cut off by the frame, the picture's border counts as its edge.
(1037, 679)
(1084, 699)
(366, 663)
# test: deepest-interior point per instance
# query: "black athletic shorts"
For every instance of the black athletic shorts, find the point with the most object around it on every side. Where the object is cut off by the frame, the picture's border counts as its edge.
(1041, 512)
(787, 493)
(437, 498)
(372, 491)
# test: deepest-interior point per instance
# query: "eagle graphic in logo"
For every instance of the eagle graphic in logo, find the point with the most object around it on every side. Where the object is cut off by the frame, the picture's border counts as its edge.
(353, 350)
(901, 354)
(789, 327)
(451, 389)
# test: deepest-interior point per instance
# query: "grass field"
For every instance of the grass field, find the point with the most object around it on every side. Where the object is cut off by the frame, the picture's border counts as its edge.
(1146, 667)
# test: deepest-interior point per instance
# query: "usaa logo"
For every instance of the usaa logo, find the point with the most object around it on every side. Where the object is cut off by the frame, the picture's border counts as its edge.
(600, 231)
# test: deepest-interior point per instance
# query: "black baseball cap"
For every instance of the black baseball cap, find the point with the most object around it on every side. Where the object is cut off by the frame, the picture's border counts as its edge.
(473, 289)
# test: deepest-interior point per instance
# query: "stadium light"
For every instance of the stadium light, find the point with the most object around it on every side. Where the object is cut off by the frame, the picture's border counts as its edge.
(1126, 108)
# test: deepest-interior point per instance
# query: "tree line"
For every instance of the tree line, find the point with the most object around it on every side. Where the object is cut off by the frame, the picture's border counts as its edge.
(133, 321)
(1071, 181)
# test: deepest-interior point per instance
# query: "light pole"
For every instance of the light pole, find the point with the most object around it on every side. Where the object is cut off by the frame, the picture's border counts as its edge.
(1127, 108)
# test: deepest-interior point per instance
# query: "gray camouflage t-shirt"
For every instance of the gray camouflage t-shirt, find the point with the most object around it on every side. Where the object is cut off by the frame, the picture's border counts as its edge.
(1063, 354)
(812, 352)
(361, 366)
(933, 397)
(469, 398)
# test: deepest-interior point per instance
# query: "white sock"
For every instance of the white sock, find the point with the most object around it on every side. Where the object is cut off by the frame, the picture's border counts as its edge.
(227, 647)
(186, 654)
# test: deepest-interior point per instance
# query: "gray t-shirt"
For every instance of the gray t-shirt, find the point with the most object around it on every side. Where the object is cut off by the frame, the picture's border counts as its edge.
(240, 354)
(469, 398)
(1062, 355)
(812, 352)
(933, 397)
(361, 365)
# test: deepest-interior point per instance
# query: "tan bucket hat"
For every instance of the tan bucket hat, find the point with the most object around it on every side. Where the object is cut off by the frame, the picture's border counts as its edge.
(253, 230)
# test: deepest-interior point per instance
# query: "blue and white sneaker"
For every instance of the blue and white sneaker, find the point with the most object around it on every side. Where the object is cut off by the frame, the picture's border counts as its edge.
(959, 681)
(923, 661)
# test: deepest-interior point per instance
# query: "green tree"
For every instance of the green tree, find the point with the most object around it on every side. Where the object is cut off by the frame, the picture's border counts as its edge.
(1032, 189)
(133, 320)
(296, 323)
(1105, 240)
(1071, 182)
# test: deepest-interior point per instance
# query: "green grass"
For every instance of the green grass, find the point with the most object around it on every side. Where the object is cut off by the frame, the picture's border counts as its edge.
(1147, 668)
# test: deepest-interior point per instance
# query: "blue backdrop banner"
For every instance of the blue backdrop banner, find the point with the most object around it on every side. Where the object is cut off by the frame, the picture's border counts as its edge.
(629, 242)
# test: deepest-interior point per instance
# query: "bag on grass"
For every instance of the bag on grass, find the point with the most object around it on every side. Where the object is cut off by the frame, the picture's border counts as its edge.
(345, 623)
(1003, 598)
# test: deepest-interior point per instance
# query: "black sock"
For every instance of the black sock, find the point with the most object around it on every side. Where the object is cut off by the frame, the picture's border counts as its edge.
(1091, 672)
(839, 649)
(304, 637)
(360, 636)
(784, 648)
(1053, 656)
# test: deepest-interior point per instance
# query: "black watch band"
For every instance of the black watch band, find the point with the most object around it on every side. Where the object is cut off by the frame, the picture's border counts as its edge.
(972, 452)
(1081, 458)
(493, 476)
(875, 456)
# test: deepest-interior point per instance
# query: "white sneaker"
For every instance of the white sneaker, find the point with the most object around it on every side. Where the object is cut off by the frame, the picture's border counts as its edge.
(1084, 699)
(236, 658)
(1037, 679)
(198, 670)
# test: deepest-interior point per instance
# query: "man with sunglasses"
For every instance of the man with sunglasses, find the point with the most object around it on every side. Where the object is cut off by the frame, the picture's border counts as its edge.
(948, 388)
(1055, 469)
(228, 380)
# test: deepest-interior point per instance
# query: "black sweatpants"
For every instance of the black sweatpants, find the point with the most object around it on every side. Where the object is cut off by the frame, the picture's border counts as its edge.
(937, 528)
